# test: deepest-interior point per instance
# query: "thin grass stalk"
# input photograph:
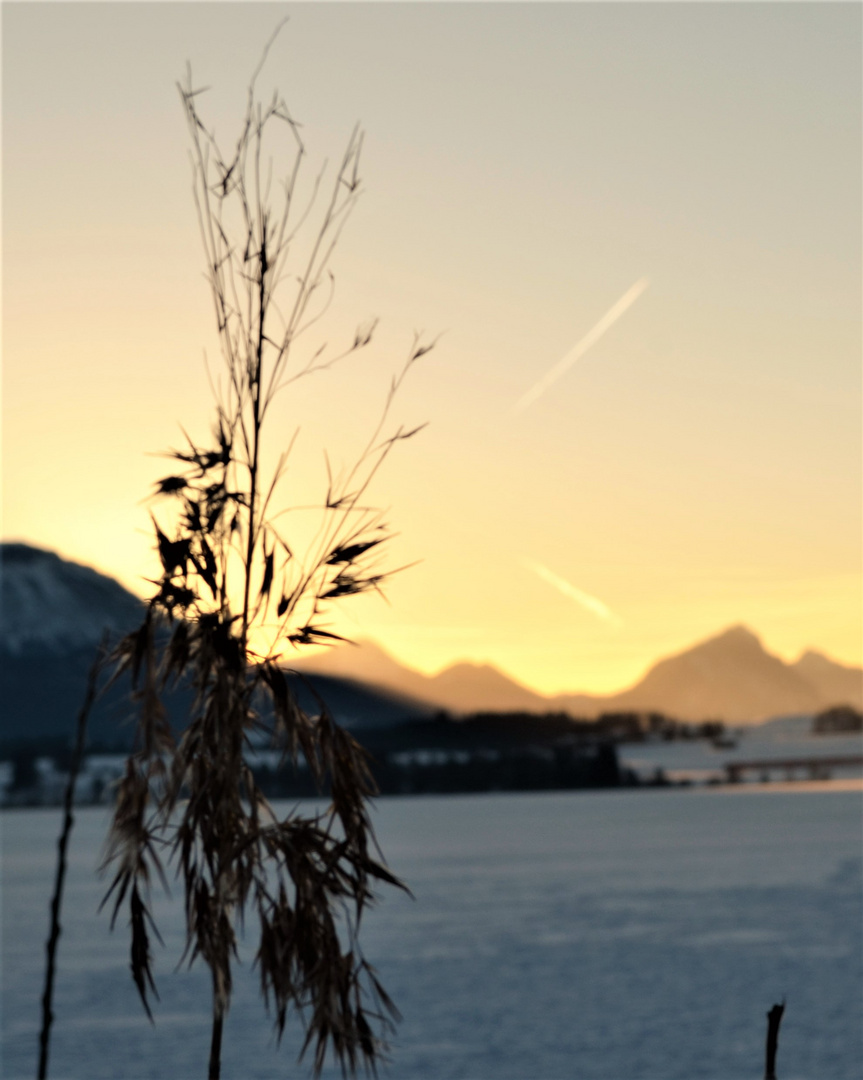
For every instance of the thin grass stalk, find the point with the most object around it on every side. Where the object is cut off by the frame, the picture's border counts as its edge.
(188, 800)
(257, 382)
(62, 845)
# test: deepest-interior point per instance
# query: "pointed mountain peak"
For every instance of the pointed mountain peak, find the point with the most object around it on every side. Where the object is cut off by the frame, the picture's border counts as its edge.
(739, 634)
(808, 653)
(837, 684)
(471, 667)
(812, 658)
(737, 640)
(467, 686)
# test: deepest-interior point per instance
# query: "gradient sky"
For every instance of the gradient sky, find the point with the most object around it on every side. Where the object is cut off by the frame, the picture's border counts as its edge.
(695, 465)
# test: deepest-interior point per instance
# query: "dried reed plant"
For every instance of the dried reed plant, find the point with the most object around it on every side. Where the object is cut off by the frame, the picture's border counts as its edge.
(228, 575)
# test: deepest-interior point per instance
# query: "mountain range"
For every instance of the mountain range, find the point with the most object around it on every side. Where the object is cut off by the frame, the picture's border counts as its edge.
(52, 613)
(52, 616)
(730, 676)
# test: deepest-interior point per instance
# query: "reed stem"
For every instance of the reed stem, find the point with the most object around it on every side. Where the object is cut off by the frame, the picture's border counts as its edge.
(215, 1068)
(62, 846)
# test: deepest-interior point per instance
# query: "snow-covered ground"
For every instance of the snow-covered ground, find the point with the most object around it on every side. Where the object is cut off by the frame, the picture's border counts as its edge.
(628, 935)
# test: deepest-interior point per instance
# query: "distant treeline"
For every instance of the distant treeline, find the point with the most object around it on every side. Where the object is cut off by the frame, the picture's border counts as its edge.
(485, 751)
(616, 726)
(516, 751)
(416, 772)
(839, 720)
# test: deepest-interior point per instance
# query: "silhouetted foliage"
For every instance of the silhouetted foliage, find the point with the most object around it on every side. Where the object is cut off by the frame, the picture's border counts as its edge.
(837, 720)
(231, 579)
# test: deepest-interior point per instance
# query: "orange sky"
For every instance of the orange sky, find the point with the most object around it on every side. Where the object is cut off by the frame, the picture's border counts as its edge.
(593, 490)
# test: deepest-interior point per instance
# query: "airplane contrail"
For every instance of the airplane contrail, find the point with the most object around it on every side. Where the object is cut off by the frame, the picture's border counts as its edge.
(580, 348)
(585, 600)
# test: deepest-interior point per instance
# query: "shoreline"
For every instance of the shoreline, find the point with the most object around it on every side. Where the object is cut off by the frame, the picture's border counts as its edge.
(843, 783)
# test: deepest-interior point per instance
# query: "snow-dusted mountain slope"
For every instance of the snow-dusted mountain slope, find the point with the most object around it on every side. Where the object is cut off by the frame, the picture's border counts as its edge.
(52, 615)
(48, 604)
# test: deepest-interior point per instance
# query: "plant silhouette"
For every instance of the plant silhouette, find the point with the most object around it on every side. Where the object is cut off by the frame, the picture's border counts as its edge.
(230, 579)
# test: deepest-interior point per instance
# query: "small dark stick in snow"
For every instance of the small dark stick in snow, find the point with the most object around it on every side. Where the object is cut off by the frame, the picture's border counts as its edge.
(774, 1019)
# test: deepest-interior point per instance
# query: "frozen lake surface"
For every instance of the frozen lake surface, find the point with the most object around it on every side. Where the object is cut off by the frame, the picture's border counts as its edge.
(631, 935)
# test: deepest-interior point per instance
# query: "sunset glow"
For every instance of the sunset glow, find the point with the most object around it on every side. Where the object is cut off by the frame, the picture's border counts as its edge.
(691, 463)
